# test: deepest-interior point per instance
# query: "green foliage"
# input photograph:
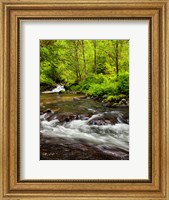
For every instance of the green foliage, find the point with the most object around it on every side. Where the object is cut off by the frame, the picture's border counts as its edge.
(123, 83)
(91, 80)
(99, 90)
(46, 74)
(111, 89)
(97, 68)
(46, 81)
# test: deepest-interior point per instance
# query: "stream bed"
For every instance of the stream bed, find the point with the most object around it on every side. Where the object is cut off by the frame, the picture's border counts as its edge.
(75, 127)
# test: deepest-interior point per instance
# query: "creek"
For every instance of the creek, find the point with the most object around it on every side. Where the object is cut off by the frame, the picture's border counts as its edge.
(74, 127)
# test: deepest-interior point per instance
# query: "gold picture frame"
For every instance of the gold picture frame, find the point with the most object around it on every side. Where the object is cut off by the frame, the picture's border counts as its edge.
(156, 187)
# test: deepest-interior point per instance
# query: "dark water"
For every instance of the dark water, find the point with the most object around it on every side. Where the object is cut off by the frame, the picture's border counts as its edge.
(77, 128)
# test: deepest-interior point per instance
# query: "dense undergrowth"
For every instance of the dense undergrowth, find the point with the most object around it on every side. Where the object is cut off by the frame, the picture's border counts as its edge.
(100, 86)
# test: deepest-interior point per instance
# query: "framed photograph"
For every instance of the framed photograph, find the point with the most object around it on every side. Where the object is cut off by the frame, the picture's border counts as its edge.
(84, 100)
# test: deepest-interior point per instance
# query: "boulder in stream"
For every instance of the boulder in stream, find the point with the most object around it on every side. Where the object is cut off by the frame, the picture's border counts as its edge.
(66, 117)
(102, 120)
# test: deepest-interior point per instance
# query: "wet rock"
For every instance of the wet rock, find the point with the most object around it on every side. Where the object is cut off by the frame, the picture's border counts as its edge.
(83, 117)
(112, 117)
(62, 149)
(66, 117)
(113, 120)
(56, 109)
(47, 125)
(52, 117)
(78, 92)
(47, 114)
(76, 99)
(123, 119)
(83, 97)
(108, 104)
(92, 111)
(47, 111)
(115, 105)
(108, 121)
(103, 120)
(99, 122)
(123, 101)
(73, 92)
(61, 92)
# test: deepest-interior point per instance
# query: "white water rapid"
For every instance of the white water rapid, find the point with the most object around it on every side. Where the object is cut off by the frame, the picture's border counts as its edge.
(112, 140)
(57, 89)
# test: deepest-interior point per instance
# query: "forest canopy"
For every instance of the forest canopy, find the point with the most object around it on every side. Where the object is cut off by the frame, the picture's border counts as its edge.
(98, 68)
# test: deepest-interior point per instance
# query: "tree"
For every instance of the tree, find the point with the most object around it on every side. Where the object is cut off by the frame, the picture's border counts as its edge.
(84, 58)
(95, 63)
(117, 57)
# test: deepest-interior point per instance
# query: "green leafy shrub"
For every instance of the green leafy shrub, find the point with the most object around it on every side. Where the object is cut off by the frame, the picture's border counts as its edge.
(85, 84)
(110, 89)
(99, 90)
(123, 83)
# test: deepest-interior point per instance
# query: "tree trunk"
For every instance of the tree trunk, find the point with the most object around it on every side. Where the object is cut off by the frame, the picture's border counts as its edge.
(78, 74)
(84, 59)
(117, 58)
(95, 63)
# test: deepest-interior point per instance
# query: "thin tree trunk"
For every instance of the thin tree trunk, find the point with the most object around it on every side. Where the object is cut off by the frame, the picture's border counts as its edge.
(95, 63)
(76, 61)
(84, 59)
(117, 58)
(79, 77)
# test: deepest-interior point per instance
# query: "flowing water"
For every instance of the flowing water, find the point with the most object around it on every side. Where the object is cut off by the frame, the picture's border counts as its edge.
(73, 127)
(57, 89)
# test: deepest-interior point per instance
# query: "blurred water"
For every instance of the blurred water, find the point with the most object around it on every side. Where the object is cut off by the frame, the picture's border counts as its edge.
(84, 138)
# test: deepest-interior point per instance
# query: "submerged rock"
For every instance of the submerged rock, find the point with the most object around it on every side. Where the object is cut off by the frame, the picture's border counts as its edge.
(82, 97)
(108, 104)
(76, 99)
